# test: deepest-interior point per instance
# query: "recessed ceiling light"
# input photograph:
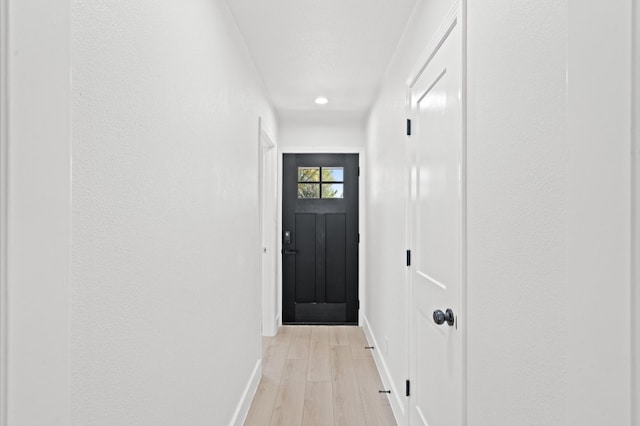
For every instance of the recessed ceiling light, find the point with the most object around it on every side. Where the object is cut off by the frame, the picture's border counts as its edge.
(321, 100)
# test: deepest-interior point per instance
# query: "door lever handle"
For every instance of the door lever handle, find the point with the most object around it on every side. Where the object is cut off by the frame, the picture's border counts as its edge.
(288, 252)
(447, 316)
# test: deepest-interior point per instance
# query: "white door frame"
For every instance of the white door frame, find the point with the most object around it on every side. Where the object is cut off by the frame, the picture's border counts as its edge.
(458, 11)
(36, 132)
(268, 182)
(635, 216)
(3, 210)
(361, 221)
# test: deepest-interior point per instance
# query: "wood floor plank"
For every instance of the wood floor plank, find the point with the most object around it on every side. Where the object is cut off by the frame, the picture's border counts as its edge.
(266, 341)
(331, 383)
(263, 403)
(318, 404)
(319, 355)
(358, 342)
(376, 405)
(273, 363)
(338, 335)
(289, 405)
(283, 338)
(347, 404)
(276, 352)
(300, 342)
(389, 418)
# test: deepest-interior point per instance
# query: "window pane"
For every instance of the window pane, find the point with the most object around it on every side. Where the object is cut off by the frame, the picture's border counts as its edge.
(308, 174)
(332, 190)
(308, 190)
(332, 174)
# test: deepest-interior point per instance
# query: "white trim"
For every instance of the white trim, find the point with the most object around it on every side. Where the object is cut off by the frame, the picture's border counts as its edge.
(361, 216)
(462, 319)
(242, 409)
(396, 399)
(39, 245)
(635, 216)
(267, 147)
(4, 119)
(408, 217)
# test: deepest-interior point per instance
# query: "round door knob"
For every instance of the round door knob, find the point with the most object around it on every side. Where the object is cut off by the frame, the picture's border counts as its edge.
(447, 316)
(438, 317)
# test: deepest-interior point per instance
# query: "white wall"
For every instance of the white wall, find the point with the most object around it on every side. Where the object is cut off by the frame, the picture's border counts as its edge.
(165, 289)
(307, 132)
(598, 212)
(38, 133)
(518, 287)
(328, 132)
(548, 210)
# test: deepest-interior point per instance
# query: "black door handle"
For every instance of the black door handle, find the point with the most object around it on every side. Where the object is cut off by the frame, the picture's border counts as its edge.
(447, 316)
(288, 252)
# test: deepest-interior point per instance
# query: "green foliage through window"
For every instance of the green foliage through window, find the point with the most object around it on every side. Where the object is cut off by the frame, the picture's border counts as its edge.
(311, 182)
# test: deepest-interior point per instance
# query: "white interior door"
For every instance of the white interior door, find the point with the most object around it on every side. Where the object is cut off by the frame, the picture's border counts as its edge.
(437, 234)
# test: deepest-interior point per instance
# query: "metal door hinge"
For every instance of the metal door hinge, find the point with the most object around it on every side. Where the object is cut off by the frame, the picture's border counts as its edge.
(358, 238)
(408, 388)
(358, 304)
(408, 127)
(408, 257)
(358, 171)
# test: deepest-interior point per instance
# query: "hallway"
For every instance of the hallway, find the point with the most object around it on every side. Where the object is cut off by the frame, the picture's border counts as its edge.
(319, 375)
(146, 247)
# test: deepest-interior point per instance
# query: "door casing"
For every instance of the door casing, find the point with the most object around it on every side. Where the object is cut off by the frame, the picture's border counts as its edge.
(3, 210)
(635, 216)
(267, 190)
(330, 226)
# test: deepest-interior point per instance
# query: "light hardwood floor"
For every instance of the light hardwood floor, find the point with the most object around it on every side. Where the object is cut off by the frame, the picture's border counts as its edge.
(319, 375)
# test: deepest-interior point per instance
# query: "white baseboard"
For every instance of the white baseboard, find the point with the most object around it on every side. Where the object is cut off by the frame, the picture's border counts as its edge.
(396, 399)
(240, 415)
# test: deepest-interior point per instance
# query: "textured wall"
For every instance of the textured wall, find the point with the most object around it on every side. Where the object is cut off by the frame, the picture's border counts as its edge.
(165, 293)
(599, 207)
(517, 321)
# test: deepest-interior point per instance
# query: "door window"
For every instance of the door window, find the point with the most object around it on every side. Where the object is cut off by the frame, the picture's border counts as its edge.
(320, 182)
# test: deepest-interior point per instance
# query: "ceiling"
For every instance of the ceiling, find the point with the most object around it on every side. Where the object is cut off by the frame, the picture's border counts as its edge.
(338, 49)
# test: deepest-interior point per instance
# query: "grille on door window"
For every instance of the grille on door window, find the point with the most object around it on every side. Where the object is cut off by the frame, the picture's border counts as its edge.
(320, 182)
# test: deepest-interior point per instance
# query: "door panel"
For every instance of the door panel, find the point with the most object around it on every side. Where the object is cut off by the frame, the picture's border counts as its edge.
(336, 258)
(320, 251)
(436, 274)
(305, 258)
